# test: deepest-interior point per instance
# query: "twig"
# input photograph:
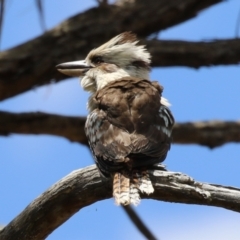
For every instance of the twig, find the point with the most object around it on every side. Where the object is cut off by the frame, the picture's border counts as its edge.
(137, 221)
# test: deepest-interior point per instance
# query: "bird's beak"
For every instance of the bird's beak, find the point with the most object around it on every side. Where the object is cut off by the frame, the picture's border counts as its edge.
(76, 68)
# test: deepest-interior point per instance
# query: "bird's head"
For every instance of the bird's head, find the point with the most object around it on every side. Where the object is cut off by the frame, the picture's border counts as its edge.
(119, 57)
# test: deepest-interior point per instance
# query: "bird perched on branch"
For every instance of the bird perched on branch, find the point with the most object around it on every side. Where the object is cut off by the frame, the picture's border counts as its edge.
(129, 124)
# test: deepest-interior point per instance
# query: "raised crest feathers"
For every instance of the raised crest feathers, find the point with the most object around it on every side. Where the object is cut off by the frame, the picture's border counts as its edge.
(123, 47)
(127, 37)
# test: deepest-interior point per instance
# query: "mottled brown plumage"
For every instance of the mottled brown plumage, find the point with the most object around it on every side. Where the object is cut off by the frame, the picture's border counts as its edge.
(129, 129)
(129, 124)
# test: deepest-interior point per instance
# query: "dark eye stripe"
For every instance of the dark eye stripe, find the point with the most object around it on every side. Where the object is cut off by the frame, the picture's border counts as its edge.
(97, 59)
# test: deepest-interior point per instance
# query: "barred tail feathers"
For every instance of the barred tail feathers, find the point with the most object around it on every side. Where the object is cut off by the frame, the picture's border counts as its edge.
(121, 188)
(126, 186)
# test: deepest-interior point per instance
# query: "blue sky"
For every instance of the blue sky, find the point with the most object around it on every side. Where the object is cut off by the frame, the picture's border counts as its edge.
(30, 164)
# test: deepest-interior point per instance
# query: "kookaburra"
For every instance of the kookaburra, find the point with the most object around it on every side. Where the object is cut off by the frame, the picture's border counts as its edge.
(129, 124)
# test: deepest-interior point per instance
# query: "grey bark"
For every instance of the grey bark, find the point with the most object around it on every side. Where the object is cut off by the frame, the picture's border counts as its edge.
(85, 186)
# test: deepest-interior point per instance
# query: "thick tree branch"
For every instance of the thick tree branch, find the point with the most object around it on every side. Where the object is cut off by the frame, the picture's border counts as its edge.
(32, 64)
(209, 133)
(85, 186)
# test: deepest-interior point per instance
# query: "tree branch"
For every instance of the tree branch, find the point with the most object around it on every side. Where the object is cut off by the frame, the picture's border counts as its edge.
(209, 133)
(85, 186)
(71, 128)
(32, 64)
(194, 54)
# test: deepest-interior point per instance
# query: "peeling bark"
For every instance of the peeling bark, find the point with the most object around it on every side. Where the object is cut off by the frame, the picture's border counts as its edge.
(85, 186)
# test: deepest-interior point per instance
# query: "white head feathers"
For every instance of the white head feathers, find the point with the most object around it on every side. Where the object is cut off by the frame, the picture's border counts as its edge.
(122, 50)
(120, 57)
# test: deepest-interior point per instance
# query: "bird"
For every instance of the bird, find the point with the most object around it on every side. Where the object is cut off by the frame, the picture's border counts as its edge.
(129, 124)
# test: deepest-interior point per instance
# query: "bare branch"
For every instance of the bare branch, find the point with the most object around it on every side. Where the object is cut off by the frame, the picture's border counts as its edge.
(195, 54)
(71, 128)
(85, 186)
(209, 133)
(32, 64)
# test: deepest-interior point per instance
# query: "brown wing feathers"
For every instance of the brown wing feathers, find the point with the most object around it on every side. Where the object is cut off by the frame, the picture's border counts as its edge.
(128, 131)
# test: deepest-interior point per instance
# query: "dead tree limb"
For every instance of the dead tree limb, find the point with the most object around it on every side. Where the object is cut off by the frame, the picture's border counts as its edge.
(85, 186)
(31, 64)
(209, 133)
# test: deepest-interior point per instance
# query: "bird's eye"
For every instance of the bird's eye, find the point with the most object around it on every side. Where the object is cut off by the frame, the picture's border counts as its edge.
(97, 60)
